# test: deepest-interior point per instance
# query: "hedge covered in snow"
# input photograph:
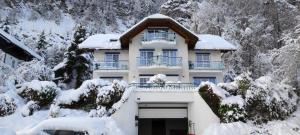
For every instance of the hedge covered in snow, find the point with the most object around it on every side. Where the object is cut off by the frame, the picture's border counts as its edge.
(41, 92)
(91, 94)
(260, 100)
(268, 100)
(7, 105)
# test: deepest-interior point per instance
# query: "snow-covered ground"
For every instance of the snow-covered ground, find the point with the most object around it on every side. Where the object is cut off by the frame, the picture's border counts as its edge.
(17, 122)
(291, 126)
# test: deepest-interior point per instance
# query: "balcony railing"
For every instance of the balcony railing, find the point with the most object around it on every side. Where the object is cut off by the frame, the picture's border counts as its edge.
(160, 61)
(166, 36)
(111, 65)
(198, 65)
(165, 85)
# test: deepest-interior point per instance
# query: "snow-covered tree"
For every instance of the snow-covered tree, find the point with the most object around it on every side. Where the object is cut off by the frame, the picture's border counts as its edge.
(77, 62)
(33, 70)
(42, 44)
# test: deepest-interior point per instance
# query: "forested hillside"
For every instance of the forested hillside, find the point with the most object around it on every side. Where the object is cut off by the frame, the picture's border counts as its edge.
(265, 31)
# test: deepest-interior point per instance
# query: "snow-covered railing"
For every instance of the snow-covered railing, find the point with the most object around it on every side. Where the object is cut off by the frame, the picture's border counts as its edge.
(162, 35)
(165, 86)
(198, 65)
(159, 61)
(111, 65)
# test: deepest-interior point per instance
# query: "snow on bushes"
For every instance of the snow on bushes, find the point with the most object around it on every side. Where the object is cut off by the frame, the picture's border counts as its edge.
(212, 95)
(91, 94)
(34, 70)
(42, 92)
(108, 95)
(265, 98)
(159, 79)
(7, 105)
(30, 108)
(268, 100)
(232, 109)
(239, 86)
(54, 111)
(228, 108)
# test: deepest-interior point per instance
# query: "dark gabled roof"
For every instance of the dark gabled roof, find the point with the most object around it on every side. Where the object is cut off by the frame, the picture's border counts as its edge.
(15, 48)
(159, 20)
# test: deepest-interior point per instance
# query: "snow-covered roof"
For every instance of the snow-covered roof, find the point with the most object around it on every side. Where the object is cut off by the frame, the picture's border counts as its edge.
(157, 16)
(213, 42)
(16, 42)
(94, 126)
(102, 41)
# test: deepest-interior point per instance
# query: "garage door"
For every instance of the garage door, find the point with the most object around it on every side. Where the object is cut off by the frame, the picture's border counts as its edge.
(163, 111)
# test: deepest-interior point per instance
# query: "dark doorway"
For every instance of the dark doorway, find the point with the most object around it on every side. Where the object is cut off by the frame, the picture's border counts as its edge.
(163, 126)
(158, 127)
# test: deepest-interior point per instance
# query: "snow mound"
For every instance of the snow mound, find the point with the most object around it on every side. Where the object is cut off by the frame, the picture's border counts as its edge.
(6, 131)
(102, 41)
(213, 42)
(94, 126)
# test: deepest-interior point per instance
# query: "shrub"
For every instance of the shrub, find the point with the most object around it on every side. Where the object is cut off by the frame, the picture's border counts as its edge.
(159, 80)
(92, 94)
(232, 109)
(84, 97)
(30, 108)
(7, 105)
(109, 95)
(239, 86)
(212, 95)
(54, 110)
(268, 100)
(42, 92)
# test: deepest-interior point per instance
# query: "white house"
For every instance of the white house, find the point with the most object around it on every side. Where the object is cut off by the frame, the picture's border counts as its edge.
(15, 51)
(160, 45)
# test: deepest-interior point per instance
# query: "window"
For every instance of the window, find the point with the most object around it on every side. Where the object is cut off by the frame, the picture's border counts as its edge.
(197, 80)
(169, 57)
(111, 59)
(157, 33)
(202, 60)
(146, 57)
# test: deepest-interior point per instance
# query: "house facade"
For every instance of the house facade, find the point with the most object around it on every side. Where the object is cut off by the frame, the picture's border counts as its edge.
(160, 45)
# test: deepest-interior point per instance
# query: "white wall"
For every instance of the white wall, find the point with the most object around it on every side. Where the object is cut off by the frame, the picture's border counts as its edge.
(198, 111)
(125, 116)
(200, 114)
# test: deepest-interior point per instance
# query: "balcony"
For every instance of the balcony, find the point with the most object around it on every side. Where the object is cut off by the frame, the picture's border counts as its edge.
(159, 39)
(165, 86)
(111, 65)
(160, 62)
(206, 65)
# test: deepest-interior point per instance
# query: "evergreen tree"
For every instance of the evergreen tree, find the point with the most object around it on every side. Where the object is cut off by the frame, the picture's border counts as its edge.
(5, 26)
(42, 45)
(78, 62)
